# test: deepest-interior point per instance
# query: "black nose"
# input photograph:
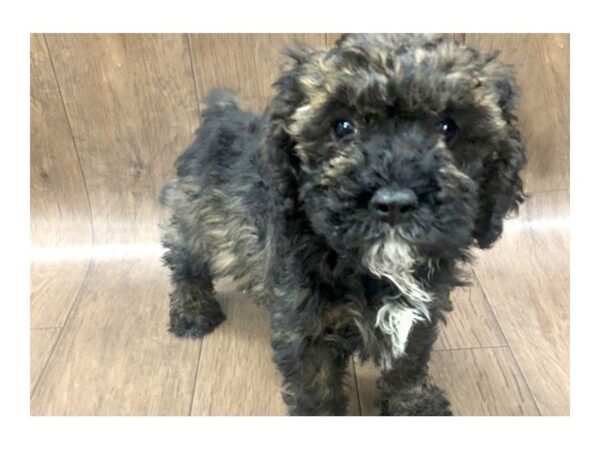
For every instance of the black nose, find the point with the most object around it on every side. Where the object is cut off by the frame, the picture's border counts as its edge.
(394, 202)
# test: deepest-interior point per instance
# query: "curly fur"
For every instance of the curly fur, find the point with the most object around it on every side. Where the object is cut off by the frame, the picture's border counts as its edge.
(283, 206)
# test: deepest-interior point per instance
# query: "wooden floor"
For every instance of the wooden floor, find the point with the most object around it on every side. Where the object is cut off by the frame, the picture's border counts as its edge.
(108, 117)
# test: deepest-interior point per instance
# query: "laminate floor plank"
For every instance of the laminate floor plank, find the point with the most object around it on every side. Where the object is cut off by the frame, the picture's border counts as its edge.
(115, 356)
(526, 278)
(471, 323)
(59, 206)
(40, 344)
(482, 382)
(54, 286)
(247, 64)
(131, 103)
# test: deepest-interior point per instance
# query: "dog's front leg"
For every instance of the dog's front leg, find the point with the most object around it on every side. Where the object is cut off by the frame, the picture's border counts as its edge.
(313, 369)
(405, 388)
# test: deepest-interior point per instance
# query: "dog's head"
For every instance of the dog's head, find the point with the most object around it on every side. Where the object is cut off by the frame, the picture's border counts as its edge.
(408, 136)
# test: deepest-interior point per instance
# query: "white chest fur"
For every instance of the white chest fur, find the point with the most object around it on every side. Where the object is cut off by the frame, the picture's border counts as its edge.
(392, 259)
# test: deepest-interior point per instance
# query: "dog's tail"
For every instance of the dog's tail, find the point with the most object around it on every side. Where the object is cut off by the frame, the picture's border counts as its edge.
(221, 98)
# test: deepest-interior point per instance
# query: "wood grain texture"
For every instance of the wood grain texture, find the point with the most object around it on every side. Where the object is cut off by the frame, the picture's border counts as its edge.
(59, 209)
(351, 388)
(526, 279)
(54, 286)
(471, 323)
(132, 106)
(245, 63)
(541, 62)
(40, 345)
(366, 378)
(482, 382)
(115, 356)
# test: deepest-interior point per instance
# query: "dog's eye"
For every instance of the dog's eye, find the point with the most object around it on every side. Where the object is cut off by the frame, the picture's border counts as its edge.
(450, 131)
(343, 128)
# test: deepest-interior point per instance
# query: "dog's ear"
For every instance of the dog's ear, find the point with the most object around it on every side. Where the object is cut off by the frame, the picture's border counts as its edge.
(278, 153)
(501, 187)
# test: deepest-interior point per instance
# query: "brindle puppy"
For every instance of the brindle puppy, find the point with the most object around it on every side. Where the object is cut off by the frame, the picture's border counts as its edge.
(346, 208)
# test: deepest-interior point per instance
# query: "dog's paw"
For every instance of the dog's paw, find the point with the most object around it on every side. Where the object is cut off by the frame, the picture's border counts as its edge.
(195, 327)
(417, 400)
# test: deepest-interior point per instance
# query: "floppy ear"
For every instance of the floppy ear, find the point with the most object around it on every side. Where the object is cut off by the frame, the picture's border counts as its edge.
(501, 187)
(280, 160)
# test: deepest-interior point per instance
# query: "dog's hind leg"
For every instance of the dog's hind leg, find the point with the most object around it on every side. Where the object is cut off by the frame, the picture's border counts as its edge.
(194, 310)
(406, 389)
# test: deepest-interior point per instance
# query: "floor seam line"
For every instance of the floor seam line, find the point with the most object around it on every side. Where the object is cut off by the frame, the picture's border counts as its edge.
(360, 409)
(469, 348)
(62, 329)
(512, 353)
(195, 379)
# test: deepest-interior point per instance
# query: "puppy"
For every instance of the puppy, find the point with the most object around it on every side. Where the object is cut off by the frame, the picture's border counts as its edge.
(347, 208)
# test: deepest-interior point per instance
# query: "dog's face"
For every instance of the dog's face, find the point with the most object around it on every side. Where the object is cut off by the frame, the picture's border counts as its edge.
(402, 137)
